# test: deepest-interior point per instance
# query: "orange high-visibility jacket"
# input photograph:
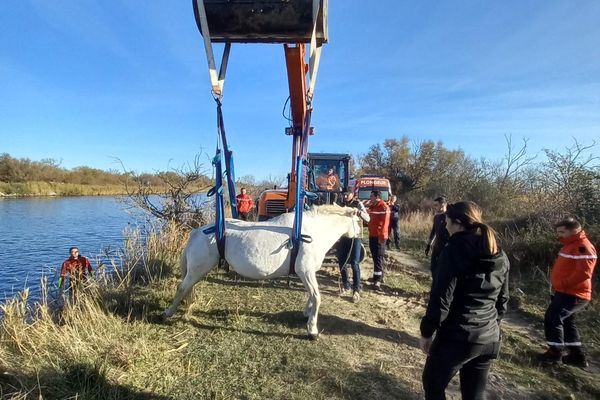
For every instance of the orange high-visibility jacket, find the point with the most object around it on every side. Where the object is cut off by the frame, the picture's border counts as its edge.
(244, 203)
(574, 266)
(378, 225)
(75, 267)
(328, 182)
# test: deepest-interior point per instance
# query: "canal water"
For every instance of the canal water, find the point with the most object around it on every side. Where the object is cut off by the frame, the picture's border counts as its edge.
(36, 234)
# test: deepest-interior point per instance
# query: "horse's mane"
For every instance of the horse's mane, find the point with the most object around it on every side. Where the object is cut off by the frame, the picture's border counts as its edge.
(314, 211)
(332, 209)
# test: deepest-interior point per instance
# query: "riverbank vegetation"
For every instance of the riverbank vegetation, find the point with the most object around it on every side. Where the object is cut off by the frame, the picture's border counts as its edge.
(25, 177)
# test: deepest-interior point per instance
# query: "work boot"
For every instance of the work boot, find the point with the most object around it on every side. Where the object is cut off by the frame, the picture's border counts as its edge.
(576, 359)
(355, 296)
(551, 357)
(344, 291)
(377, 286)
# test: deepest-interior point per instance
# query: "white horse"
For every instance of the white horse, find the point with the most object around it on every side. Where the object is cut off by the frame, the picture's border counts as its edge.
(258, 250)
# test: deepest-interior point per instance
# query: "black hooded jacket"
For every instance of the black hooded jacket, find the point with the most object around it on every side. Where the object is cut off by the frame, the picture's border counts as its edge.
(470, 293)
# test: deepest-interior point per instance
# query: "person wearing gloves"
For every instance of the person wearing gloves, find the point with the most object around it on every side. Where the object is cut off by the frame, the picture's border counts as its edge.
(76, 267)
(350, 250)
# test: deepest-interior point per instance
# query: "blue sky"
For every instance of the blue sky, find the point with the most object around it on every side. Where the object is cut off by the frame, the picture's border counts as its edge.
(86, 81)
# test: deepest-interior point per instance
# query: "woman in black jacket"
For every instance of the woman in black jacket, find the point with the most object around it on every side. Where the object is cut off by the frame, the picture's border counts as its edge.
(467, 301)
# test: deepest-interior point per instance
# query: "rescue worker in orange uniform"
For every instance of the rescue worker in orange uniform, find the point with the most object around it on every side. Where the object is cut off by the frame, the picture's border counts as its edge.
(244, 204)
(378, 234)
(77, 267)
(572, 283)
(328, 181)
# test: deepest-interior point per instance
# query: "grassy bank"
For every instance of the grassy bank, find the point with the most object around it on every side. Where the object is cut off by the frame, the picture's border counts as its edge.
(242, 340)
(27, 189)
(22, 189)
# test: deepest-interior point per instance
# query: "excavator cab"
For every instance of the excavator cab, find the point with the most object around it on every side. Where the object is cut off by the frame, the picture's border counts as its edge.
(266, 21)
(328, 176)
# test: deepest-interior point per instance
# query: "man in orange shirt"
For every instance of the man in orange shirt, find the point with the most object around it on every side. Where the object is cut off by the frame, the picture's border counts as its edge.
(76, 267)
(378, 234)
(244, 204)
(572, 283)
(328, 181)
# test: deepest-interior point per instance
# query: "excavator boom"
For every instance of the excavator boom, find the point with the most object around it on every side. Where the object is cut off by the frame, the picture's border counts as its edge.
(293, 23)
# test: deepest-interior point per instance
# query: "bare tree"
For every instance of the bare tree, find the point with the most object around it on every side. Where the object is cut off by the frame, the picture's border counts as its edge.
(571, 179)
(515, 160)
(175, 197)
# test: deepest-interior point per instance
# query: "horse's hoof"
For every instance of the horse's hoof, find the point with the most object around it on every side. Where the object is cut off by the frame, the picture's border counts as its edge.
(313, 337)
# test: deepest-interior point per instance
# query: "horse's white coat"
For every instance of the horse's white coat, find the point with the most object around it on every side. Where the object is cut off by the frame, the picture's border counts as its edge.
(258, 250)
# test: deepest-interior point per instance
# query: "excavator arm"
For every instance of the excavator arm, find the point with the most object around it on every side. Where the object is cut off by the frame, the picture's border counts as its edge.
(293, 23)
(296, 72)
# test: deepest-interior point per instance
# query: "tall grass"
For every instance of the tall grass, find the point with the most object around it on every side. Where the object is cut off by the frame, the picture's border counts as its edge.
(416, 224)
(85, 345)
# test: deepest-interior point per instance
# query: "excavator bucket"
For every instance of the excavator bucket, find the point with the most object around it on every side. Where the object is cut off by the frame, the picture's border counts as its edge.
(266, 21)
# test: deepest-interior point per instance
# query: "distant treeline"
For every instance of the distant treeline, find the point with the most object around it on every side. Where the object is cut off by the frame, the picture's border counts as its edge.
(553, 183)
(22, 170)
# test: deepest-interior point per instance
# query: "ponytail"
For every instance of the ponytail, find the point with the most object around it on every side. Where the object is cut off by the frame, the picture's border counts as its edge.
(488, 235)
(468, 214)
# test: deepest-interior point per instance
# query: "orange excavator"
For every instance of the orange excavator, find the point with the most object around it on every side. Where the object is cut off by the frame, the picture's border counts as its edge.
(301, 26)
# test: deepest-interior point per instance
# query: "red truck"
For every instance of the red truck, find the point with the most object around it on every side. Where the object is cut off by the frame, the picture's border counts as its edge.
(364, 185)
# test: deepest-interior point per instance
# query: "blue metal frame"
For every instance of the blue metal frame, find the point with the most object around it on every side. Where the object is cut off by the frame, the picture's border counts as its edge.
(301, 162)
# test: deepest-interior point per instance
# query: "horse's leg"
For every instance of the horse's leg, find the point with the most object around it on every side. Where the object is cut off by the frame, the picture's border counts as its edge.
(308, 307)
(183, 290)
(183, 268)
(309, 279)
(196, 268)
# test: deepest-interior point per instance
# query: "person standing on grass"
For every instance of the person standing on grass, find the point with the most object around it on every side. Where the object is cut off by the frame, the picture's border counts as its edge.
(349, 250)
(244, 204)
(572, 284)
(378, 235)
(439, 235)
(77, 267)
(467, 301)
(394, 226)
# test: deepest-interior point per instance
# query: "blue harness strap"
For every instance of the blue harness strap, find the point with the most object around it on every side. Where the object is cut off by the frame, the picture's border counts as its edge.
(297, 237)
(219, 227)
(229, 169)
